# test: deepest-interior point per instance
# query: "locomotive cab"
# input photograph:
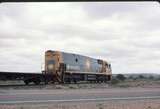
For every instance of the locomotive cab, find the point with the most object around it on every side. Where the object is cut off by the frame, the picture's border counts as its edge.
(52, 65)
(52, 62)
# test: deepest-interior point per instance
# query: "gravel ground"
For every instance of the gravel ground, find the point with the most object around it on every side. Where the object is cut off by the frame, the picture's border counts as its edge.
(122, 104)
(124, 84)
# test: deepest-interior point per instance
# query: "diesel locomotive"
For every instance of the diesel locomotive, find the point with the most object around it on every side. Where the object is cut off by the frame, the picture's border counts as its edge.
(65, 67)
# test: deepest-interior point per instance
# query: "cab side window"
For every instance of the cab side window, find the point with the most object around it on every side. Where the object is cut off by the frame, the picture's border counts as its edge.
(76, 60)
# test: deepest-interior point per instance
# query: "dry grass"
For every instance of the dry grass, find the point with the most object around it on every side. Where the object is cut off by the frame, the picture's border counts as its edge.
(136, 104)
(138, 83)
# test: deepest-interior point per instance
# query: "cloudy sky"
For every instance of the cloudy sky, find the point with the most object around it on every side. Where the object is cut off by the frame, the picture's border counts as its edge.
(127, 34)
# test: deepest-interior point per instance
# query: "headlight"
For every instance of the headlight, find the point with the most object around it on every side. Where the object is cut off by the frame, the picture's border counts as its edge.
(50, 66)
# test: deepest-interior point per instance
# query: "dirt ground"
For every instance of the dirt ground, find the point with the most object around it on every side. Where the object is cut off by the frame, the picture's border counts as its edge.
(122, 104)
(118, 104)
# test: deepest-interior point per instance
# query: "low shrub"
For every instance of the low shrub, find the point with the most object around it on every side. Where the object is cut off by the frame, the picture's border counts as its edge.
(114, 81)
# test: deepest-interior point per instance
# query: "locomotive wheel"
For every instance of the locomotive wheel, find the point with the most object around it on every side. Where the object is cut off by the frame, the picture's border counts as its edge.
(67, 81)
(46, 82)
(26, 82)
(75, 81)
(37, 82)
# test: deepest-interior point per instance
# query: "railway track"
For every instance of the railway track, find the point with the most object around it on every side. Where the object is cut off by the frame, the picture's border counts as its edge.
(21, 86)
(83, 85)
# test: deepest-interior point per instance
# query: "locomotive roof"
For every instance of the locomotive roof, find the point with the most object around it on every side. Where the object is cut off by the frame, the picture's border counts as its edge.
(75, 54)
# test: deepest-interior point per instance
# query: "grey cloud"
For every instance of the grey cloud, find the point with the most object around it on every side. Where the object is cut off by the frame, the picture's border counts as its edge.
(23, 40)
(101, 9)
(70, 31)
(144, 15)
(7, 10)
